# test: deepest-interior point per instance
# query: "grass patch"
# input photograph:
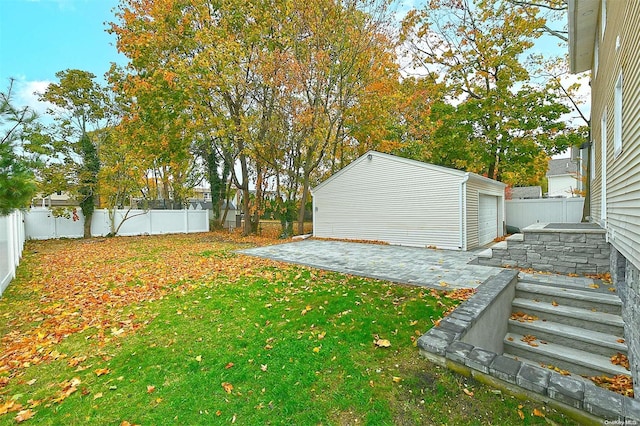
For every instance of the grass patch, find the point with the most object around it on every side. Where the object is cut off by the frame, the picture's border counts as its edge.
(207, 336)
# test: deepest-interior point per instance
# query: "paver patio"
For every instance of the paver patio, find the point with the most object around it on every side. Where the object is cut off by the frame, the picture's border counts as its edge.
(411, 265)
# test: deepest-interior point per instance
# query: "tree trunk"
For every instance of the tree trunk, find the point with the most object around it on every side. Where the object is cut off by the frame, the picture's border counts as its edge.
(87, 225)
(303, 203)
(491, 171)
(255, 221)
(244, 186)
(215, 181)
(246, 230)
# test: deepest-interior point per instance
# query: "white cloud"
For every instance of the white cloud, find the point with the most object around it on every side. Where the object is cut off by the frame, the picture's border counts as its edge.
(26, 93)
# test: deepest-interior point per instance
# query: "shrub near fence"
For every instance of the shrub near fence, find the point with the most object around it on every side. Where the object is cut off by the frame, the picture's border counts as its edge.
(41, 224)
(12, 238)
(522, 213)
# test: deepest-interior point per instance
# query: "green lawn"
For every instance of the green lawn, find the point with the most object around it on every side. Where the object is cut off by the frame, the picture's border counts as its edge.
(182, 330)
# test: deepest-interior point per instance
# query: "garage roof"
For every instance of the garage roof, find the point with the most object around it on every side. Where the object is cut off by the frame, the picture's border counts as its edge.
(457, 173)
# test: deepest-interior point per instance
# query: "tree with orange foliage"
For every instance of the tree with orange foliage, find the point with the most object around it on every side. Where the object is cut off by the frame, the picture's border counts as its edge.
(273, 87)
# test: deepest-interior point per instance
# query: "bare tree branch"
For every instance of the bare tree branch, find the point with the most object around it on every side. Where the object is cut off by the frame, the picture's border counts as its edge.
(541, 4)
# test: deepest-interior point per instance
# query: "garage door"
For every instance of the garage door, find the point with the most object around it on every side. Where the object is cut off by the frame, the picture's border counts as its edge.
(487, 219)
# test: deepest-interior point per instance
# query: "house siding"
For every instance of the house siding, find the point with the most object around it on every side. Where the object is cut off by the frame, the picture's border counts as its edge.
(622, 168)
(393, 200)
(623, 179)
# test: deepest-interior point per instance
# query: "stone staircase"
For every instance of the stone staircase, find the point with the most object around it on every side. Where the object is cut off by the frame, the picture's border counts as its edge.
(570, 323)
(563, 248)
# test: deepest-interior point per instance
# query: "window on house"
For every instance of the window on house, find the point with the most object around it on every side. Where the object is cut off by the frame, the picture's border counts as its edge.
(617, 117)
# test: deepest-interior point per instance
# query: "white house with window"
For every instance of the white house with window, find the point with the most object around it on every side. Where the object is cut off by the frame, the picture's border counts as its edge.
(563, 178)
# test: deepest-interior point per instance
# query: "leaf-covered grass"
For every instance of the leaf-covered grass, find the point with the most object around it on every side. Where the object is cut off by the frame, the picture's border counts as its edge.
(183, 330)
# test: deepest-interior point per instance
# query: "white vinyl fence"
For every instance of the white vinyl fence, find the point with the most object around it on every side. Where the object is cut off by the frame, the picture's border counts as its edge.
(522, 213)
(41, 224)
(12, 238)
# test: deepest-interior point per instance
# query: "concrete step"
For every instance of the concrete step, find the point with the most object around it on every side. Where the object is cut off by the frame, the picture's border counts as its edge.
(574, 360)
(485, 254)
(551, 367)
(572, 337)
(515, 238)
(569, 315)
(577, 283)
(589, 300)
(501, 245)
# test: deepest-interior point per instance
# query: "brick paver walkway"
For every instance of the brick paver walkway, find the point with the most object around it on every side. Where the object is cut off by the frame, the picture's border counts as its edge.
(420, 266)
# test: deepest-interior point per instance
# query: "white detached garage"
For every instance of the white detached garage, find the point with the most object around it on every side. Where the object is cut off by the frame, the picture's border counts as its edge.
(381, 197)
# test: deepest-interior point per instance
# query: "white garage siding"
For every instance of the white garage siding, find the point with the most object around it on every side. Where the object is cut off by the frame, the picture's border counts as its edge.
(487, 218)
(390, 199)
(399, 201)
(476, 187)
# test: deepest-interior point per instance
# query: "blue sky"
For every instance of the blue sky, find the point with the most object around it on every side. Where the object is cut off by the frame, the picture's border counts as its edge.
(41, 37)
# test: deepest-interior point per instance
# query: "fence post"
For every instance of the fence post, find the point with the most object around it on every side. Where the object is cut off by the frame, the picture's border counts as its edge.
(13, 243)
(10, 247)
(12, 231)
(21, 235)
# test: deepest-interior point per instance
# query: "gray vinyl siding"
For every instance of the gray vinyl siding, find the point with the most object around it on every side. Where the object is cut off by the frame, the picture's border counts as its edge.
(392, 200)
(476, 186)
(623, 173)
(624, 184)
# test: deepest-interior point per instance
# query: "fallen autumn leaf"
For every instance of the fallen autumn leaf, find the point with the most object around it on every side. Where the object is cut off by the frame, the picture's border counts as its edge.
(228, 387)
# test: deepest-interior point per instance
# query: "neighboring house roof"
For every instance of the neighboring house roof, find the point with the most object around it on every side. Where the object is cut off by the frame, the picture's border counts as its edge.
(454, 172)
(231, 205)
(562, 166)
(526, 192)
(583, 21)
(208, 205)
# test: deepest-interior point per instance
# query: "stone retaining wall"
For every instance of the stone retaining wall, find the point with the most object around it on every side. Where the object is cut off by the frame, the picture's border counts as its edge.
(579, 399)
(626, 278)
(564, 251)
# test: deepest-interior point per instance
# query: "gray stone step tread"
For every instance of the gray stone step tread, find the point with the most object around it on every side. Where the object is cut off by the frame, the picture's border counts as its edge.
(568, 311)
(587, 296)
(528, 361)
(515, 237)
(557, 279)
(502, 245)
(573, 356)
(577, 333)
(485, 254)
